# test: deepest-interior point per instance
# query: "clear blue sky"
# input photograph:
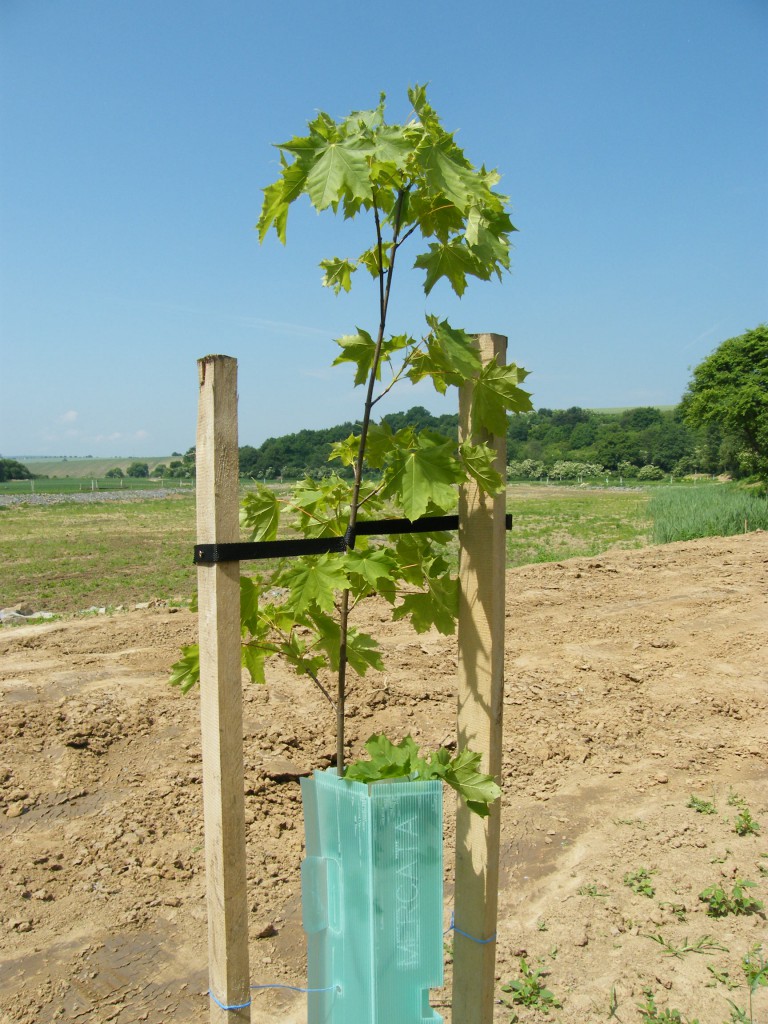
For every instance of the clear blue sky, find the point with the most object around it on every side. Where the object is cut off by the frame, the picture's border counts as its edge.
(135, 137)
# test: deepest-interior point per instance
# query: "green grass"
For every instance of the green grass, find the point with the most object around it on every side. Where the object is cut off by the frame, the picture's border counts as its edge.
(552, 523)
(79, 484)
(68, 556)
(86, 468)
(706, 510)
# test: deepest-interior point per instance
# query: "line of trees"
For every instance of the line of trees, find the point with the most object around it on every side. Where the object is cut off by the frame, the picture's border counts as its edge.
(721, 426)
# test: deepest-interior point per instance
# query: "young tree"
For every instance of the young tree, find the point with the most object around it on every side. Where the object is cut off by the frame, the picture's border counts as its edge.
(411, 182)
(730, 390)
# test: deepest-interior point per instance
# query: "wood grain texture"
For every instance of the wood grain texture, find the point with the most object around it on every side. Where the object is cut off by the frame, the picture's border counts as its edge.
(482, 549)
(220, 692)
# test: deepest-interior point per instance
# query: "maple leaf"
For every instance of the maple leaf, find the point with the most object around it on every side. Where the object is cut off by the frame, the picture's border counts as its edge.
(339, 168)
(362, 650)
(186, 671)
(453, 260)
(338, 274)
(260, 513)
(252, 659)
(313, 581)
(359, 349)
(437, 606)
(495, 393)
(249, 604)
(461, 773)
(478, 460)
(423, 474)
(372, 565)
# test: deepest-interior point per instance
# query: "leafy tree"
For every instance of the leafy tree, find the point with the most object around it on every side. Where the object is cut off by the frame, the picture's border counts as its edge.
(650, 472)
(11, 469)
(409, 181)
(137, 469)
(729, 389)
(115, 473)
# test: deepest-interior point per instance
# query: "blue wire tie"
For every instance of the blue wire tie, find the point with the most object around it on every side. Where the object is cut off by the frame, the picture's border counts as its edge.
(234, 1006)
(481, 942)
(291, 988)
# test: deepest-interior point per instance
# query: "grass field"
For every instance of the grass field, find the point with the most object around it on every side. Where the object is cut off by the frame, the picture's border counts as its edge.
(69, 556)
(86, 468)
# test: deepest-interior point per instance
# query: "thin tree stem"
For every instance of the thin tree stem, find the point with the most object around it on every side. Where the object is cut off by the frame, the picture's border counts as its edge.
(385, 285)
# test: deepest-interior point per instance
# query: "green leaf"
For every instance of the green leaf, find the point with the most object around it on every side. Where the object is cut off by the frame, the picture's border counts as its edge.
(437, 606)
(476, 788)
(423, 474)
(478, 460)
(387, 760)
(453, 260)
(359, 349)
(345, 451)
(277, 200)
(186, 671)
(447, 171)
(362, 650)
(249, 605)
(450, 357)
(313, 581)
(372, 564)
(295, 651)
(339, 168)
(496, 392)
(252, 658)
(338, 274)
(260, 513)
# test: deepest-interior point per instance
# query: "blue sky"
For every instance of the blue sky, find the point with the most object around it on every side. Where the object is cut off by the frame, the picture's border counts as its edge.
(135, 139)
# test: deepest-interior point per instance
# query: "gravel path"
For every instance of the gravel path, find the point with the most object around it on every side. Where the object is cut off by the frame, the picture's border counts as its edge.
(91, 496)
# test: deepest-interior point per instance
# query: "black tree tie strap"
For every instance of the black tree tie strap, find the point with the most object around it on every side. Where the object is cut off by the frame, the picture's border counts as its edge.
(212, 554)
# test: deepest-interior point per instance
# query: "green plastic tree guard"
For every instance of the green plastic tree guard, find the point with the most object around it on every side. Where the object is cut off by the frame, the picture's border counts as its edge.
(372, 899)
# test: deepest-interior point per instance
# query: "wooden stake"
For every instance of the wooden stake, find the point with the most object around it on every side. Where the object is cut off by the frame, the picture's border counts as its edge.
(482, 546)
(221, 710)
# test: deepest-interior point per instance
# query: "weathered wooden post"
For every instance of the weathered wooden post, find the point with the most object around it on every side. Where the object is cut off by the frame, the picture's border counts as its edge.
(221, 710)
(482, 545)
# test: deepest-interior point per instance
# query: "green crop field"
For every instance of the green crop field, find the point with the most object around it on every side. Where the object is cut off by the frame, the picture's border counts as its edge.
(86, 468)
(67, 556)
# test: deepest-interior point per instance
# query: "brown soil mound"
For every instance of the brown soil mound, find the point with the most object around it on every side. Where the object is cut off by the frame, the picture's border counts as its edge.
(633, 680)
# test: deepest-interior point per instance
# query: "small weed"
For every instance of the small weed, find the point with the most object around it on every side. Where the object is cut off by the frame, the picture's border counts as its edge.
(736, 800)
(745, 825)
(723, 977)
(704, 944)
(529, 989)
(719, 904)
(640, 882)
(676, 909)
(651, 1014)
(721, 860)
(613, 1004)
(738, 1014)
(701, 806)
(591, 890)
(542, 925)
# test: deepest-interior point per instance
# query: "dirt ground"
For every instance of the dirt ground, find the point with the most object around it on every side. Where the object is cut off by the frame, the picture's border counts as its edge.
(633, 680)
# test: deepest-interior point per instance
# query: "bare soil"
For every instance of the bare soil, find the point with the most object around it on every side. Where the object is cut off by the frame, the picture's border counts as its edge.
(633, 681)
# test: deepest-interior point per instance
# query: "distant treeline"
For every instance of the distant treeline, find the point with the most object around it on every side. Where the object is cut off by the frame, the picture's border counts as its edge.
(10, 469)
(644, 442)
